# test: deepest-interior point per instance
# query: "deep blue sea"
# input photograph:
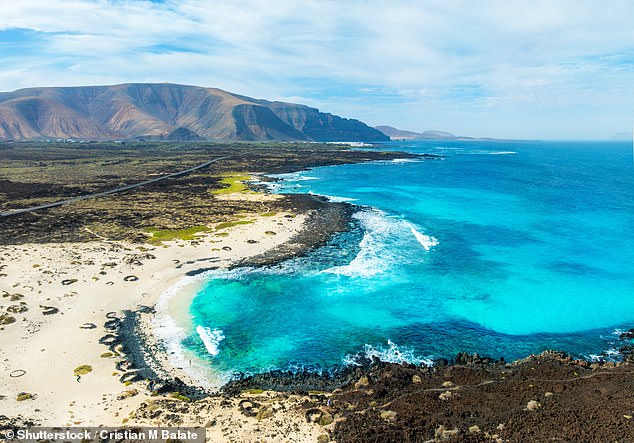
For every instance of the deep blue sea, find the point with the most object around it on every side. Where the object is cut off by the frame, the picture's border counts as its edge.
(501, 248)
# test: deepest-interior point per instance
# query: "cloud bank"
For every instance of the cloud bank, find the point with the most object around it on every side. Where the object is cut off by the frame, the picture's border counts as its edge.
(540, 69)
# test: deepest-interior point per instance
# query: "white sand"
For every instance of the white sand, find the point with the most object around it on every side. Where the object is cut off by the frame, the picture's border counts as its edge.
(50, 347)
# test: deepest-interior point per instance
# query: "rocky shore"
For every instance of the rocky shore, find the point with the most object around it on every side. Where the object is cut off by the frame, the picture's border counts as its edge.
(545, 397)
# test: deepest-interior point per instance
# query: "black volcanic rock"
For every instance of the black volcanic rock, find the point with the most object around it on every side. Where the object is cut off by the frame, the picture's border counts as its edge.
(166, 111)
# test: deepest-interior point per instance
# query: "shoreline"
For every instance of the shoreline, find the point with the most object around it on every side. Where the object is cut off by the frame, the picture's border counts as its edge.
(68, 291)
(71, 289)
(330, 379)
(161, 330)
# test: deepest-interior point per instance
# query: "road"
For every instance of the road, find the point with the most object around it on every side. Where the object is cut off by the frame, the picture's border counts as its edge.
(110, 192)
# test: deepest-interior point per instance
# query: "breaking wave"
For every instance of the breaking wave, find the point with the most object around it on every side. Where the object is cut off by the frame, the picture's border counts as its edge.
(392, 353)
(425, 240)
(210, 338)
(379, 250)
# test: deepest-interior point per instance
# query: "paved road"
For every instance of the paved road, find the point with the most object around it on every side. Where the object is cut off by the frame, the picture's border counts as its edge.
(112, 191)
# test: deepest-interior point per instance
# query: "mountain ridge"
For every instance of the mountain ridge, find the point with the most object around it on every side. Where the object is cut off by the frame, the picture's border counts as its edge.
(164, 110)
(401, 134)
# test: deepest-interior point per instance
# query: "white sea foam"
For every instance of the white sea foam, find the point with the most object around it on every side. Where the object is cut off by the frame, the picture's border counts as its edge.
(425, 240)
(171, 335)
(367, 263)
(210, 338)
(377, 250)
(611, 354)
(406, 160)
(485, 152)
(392, 353)
(613, 343)
(372, 257)
(334, 198)
(353, 144)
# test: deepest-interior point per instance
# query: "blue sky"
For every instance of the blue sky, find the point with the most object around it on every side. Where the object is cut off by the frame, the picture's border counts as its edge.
(541, 69)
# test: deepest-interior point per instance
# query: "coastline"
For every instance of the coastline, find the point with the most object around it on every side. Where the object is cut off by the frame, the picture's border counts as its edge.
(73, 307)
(66, 291)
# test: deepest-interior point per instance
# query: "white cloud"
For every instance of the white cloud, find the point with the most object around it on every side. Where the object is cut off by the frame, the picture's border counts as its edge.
(452, 63)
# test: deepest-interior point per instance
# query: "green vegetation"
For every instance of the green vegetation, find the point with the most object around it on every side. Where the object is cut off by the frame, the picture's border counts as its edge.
(107, 355)
(24, 396)
(325, 419)
(179, 396)
(264, 413)
(127, 394)
(82, 370)
(254, 391)
(6, 319)
(268, 214)
(233, 183)
(161, 235)
(226, 225)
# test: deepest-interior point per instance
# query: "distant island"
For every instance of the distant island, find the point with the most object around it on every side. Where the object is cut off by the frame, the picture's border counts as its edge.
(164, 111)
(400, 134)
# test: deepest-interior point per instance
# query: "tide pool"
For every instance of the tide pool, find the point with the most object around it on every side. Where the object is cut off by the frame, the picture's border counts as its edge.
(500, 248)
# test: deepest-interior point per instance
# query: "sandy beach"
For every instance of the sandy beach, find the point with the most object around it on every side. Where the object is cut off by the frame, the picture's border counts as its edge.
(60, 294)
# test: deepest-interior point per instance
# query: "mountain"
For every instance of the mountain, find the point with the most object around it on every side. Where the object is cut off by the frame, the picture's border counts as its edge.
(399, 134)
(438, 135)
(166, 111)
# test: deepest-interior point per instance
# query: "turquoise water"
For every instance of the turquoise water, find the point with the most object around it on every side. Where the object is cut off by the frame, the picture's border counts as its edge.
(500, 248)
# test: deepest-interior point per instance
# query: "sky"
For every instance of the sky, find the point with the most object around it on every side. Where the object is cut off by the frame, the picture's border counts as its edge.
(547, 69)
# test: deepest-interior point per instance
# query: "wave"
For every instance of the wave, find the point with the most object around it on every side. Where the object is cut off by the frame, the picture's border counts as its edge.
(611, 354)
(373, 257)
(367, 263)
(425, 240)
(406, 160)
(167, 331)
(485, 152)
(353, 144)
(210, 338)
(379, 249)
(614, 343)
(390, 354)
(334, 198)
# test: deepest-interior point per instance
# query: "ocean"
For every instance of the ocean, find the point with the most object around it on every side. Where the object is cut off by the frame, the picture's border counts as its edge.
(504, 248)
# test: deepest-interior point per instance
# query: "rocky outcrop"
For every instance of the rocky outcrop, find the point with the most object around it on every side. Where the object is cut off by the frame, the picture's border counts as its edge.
(166, 111)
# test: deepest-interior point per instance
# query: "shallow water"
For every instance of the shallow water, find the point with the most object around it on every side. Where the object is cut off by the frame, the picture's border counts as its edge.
(500, 248)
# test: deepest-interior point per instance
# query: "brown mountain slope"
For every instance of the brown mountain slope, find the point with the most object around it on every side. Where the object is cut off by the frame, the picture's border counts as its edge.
(161, 110)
